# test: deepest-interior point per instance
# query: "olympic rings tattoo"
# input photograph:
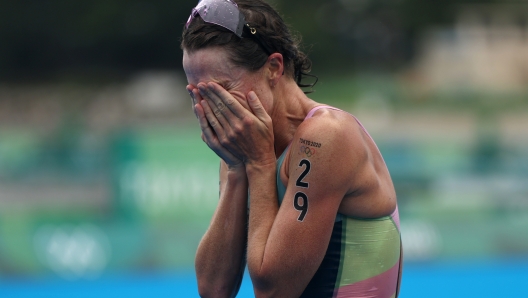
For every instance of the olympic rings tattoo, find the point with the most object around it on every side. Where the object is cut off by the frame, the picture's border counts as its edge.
(309, 152)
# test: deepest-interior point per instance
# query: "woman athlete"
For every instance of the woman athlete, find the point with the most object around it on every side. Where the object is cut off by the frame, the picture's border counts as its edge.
(305, 196)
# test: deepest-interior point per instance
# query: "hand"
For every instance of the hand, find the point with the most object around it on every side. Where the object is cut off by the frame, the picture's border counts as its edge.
(231, 160)
(193, 92)
(245, 133)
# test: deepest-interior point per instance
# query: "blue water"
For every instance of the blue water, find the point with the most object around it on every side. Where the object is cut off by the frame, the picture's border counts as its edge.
(448, 279)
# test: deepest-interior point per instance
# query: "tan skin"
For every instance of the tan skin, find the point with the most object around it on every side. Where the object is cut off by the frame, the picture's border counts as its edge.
(248, 120)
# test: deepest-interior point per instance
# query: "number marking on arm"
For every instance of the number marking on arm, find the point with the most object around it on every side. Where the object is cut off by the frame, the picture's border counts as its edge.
(299, 182)
(303, 208)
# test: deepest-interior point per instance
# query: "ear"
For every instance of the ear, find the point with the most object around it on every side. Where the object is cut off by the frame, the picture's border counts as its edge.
(275, 65)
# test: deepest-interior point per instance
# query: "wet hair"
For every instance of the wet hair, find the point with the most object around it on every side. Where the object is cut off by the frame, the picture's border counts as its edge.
(252, 53)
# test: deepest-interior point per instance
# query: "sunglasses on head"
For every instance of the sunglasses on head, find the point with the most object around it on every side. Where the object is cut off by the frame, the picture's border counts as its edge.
(225, 13)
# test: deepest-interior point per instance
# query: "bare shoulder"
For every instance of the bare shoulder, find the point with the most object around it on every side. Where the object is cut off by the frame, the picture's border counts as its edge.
(351, 159)
(335, 129)
(332, 141)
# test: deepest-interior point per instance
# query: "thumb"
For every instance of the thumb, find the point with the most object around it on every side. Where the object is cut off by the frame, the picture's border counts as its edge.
(256, 106)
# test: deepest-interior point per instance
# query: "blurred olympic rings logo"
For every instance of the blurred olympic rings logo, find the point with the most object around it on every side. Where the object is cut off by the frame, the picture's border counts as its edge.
(307, 150)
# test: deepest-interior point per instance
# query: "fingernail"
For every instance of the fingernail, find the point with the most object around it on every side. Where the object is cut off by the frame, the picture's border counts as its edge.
(252, 95)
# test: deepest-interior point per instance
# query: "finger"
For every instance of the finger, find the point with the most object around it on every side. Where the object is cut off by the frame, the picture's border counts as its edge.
(256, 106)
(208, 134)
(210, 138)
(207, 131)
(217, 106)
(233, 106)
(211, 118)
(195, 97)
(190, 89)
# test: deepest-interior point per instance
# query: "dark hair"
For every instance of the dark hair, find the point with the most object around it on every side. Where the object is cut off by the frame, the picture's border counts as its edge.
(248, 52)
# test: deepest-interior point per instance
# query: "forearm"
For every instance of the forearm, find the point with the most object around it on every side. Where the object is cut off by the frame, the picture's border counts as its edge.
(220, 256)
(278, 267)
(263, 211)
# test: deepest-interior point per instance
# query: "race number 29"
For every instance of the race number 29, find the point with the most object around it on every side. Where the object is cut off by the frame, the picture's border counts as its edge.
(300, 202)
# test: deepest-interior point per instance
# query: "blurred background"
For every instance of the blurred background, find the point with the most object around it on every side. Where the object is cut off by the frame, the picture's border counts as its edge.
(106, 187)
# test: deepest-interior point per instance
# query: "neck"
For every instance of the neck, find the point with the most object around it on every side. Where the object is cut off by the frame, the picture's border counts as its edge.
(290, 108)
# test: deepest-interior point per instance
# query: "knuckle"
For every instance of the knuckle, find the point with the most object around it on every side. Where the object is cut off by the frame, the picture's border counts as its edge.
(224, 141)
(238, 129)
(232, 137)
(230, 101)
(247, 121)
(213, 123)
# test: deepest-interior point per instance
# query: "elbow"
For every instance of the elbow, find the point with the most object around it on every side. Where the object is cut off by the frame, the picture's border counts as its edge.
(263, 287)
(217, 283)
(208, 289)
(212, 283)
(263, 294)
(205, 290)
(266, 284)
(263, 291)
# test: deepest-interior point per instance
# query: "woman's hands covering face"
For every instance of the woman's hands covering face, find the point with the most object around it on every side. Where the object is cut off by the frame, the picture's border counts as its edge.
(239, 134)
